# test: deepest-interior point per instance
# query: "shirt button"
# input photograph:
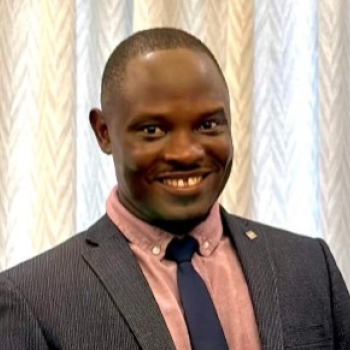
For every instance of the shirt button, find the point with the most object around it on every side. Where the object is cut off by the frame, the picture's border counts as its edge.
(156, 250)
(206, 245)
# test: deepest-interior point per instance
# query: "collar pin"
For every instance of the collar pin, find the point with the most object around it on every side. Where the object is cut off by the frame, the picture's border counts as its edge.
(251, 235)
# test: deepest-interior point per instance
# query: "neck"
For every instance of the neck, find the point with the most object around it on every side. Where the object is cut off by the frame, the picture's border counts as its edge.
(178, 228)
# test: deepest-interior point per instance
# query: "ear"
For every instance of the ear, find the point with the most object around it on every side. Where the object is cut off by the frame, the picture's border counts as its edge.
(98, 124)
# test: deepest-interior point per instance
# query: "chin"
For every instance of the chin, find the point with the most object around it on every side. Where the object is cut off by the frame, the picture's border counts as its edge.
(180, 217)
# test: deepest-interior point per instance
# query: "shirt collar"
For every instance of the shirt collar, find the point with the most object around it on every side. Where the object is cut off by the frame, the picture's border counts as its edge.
(155, 240)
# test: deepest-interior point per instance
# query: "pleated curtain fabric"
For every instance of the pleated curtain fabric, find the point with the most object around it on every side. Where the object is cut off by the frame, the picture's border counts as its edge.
(287, 64)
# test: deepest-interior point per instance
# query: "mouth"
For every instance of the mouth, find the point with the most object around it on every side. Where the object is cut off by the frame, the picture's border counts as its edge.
(184, 182)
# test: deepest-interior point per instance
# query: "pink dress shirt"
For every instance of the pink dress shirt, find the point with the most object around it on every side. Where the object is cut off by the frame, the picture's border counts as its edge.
(217, 264)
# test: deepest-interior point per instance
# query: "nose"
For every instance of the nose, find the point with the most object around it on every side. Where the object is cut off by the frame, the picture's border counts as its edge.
(184, 149)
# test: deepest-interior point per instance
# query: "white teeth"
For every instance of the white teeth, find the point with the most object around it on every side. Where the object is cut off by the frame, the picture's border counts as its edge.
(191, 181)
(186, 182)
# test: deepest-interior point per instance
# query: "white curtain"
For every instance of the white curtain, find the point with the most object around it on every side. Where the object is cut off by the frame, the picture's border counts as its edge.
(287, 63)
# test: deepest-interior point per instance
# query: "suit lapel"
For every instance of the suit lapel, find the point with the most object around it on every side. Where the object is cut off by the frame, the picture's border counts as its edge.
(117, 268)
(259, 271)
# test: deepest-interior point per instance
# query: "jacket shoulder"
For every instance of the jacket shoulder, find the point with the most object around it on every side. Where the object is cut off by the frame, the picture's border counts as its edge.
(55, 262)
(271, 233)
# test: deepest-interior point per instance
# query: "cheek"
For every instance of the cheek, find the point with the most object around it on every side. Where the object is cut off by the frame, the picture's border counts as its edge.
(223, 150)
(136, 157)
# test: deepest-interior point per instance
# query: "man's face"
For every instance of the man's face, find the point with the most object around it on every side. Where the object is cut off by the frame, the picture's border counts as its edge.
(170, 136)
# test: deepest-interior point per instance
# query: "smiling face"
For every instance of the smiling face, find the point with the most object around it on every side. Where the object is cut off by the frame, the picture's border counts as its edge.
(170, 137)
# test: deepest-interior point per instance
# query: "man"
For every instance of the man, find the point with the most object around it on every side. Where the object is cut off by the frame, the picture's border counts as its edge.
(165, 118)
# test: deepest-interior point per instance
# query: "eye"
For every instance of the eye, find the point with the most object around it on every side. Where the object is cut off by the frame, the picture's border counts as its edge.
(208, 125)
(152, 130)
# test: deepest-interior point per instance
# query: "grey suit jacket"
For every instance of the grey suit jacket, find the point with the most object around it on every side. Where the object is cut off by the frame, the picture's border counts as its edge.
(89, 293)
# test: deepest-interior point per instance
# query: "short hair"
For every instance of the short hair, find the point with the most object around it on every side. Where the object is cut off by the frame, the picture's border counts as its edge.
(144, 42)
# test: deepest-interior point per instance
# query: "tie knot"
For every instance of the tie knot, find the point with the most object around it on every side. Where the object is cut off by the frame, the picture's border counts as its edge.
(181, 250)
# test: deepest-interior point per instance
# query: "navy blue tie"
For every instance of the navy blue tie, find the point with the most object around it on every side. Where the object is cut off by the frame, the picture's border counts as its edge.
(201, 318)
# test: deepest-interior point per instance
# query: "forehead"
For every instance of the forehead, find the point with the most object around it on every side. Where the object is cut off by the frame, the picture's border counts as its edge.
(174, 73)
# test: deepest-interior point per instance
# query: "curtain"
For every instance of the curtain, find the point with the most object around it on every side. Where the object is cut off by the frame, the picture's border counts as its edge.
(287, 64)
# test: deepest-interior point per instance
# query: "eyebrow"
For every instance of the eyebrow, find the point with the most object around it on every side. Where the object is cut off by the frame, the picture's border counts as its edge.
(218, 110)
(159, 117)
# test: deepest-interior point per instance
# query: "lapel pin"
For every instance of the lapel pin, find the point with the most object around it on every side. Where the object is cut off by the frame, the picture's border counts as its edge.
(251, 235)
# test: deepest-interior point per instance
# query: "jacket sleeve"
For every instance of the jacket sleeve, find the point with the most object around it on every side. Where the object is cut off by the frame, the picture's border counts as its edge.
(340, 300)
(19, 329)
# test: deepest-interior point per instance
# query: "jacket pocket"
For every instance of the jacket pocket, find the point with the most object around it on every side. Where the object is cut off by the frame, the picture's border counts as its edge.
(311, 337)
